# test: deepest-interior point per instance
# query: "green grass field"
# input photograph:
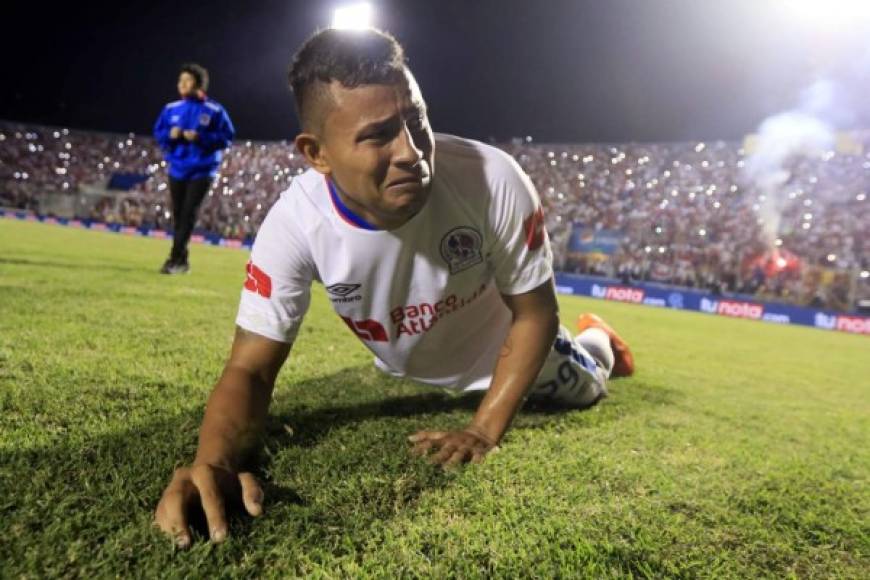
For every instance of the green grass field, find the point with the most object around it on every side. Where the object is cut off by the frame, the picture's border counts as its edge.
(739, 449)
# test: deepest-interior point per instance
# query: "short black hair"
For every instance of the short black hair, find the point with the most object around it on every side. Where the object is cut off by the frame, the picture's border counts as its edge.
(351, 57)
(198, 72)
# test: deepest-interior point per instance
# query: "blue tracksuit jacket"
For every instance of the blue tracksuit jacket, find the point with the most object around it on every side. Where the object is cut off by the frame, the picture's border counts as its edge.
(200, 158)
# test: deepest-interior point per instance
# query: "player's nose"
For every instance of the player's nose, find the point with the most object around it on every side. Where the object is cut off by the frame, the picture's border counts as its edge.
(407, 152)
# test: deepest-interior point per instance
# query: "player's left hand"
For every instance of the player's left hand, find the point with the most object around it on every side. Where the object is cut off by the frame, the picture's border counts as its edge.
(191, 135)
(451, 448)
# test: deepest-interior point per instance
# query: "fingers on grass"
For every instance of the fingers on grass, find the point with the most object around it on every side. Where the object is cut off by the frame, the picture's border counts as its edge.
(444, 454)
(457, 458)
(171, 517)
(212, 502)
(422, 448)
(252, 494)
(426, 436)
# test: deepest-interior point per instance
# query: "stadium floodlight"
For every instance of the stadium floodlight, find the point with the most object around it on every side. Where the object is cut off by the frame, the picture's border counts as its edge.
(830, 14)
(353, 17)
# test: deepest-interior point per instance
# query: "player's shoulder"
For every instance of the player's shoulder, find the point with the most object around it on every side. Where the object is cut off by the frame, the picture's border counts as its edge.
(471, 160)
(300, 206)
(472, 152)
(174, 104)
(480, 168)
(213, 105)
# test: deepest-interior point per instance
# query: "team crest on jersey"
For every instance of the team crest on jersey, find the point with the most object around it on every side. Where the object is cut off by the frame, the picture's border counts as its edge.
(461, 248)
(204, 120)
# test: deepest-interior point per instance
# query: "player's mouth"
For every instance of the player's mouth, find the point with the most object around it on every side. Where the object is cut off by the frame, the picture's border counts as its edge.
(408, 183)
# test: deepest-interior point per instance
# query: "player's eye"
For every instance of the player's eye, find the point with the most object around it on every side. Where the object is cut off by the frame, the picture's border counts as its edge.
(417, 123)
(376, 136)
(379, 135)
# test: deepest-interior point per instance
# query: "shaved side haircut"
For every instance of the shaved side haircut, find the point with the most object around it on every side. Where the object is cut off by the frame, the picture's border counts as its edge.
(350, 57)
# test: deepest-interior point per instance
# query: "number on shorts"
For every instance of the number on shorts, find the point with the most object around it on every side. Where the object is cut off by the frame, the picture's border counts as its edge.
(567, 374)
(568, 377)
(547, 389)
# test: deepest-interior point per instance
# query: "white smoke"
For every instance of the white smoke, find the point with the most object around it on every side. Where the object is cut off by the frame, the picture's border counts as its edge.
(801, 131)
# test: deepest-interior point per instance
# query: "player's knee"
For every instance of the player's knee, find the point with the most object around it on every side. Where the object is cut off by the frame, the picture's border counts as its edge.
(596, 342)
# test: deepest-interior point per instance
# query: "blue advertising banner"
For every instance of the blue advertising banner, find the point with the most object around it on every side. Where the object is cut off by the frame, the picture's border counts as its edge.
(213, 239)
(587, 240)
(127, 181)
(732, 306)
(735, 306)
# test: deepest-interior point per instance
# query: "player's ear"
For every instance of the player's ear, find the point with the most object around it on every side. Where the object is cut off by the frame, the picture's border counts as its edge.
(310, 147)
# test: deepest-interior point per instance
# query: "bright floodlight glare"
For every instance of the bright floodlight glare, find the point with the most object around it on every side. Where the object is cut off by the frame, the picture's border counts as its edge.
(830, 13)
(353, 17)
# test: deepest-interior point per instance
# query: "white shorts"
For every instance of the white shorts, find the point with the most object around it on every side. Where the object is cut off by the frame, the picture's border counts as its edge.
(572, 376)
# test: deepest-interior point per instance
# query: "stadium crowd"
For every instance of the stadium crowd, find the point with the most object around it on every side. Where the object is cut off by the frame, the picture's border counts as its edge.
(35, 161)
(686, 213)
(689, 215)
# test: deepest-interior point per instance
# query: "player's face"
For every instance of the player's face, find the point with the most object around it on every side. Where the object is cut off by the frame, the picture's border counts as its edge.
(186, 84)
(379, 148)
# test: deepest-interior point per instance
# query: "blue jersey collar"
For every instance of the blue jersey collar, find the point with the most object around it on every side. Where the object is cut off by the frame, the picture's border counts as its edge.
(345, 212)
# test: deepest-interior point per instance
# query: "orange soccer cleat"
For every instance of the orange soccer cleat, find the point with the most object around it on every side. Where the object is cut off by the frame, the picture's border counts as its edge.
(623, 363)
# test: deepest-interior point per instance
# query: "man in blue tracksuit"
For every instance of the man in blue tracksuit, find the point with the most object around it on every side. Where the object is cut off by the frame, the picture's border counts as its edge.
(193, 132)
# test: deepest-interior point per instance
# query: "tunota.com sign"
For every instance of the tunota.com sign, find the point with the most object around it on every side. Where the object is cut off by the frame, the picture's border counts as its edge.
(853, 324)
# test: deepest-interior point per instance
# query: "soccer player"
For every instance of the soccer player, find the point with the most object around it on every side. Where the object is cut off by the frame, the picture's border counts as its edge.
(193, 132)
(432, 250)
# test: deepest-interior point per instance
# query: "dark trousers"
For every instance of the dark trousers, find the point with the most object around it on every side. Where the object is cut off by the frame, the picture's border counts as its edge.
(187, 195)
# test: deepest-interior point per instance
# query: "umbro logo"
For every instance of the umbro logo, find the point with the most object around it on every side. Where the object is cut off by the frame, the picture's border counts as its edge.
(342, 289)
(341, 292)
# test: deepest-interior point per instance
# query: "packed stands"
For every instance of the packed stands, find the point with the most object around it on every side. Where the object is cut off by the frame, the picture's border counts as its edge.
(680, 213)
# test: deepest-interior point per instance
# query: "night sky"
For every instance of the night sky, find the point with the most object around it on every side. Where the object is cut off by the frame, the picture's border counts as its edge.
(603, 70)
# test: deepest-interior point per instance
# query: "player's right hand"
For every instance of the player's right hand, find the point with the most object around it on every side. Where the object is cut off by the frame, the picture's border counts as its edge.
(210, 488)
(175, 133)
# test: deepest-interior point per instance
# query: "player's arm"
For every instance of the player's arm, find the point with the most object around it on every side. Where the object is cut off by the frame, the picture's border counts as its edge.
(164, 133)
(532, 332)
(229, 437)
(522, 263)
(236, 411)
(219, 134)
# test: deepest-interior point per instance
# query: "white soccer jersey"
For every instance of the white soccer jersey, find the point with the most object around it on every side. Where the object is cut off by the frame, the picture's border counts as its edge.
(424, 298)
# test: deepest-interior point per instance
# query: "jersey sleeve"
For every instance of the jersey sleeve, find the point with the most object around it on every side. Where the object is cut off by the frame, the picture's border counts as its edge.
(219, 133)
(520, 254)
(277, 289)
(161, 130)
